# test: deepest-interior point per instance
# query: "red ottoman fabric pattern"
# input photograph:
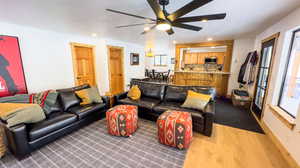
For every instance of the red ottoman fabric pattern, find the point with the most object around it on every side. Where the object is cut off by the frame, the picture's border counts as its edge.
(175, 129)
(122, 120)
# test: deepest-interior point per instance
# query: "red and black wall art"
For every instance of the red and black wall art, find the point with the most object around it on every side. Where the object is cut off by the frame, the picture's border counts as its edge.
(12, 79)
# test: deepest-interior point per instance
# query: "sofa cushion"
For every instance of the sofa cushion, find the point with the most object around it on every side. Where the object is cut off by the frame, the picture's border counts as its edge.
(179, 93)
(151, 90)
(144, 102)
(164, 106)
(68, 100)
(55, 122)
(84, 110)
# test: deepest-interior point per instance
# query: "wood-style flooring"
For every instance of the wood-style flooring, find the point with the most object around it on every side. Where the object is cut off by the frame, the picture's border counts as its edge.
(233, 148)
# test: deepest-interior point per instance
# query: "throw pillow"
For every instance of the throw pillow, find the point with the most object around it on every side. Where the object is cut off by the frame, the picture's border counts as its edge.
(134, 93)
(89, 95)
(15, 114)
(196, 100)
(68, 99)
(94, 95)
(19, 98)
(84, 96)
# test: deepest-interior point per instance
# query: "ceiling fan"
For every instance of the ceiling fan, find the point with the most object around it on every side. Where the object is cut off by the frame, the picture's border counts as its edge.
(165, 21)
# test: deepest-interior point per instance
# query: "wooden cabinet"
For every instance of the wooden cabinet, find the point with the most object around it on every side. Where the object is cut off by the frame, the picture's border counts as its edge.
(191, 58)
(199, 58)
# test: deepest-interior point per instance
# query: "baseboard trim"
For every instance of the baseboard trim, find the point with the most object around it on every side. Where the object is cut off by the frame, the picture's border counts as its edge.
(286, 155)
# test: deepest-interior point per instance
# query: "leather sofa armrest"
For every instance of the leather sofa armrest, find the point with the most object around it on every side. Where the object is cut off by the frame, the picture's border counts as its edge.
(209, 114)
(17, 140)
(106, 101)
(120, 96)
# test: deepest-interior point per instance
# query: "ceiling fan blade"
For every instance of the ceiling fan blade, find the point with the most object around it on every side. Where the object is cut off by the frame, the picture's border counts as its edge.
(202, 18)
(187, 8)
(170, 32)
(131, 25)
(151, 28)
(186, 26)
(157, 9)
(128, 14)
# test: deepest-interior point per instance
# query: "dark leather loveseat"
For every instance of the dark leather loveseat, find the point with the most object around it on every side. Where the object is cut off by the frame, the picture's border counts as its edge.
(66, 116)
(157, 98)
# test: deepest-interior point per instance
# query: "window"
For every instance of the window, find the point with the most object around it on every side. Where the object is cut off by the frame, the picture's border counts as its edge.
(290, 90)
(160, 60)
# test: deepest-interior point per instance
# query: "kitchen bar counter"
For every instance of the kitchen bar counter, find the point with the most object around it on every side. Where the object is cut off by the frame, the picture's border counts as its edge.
(216, 79)
(205, 72)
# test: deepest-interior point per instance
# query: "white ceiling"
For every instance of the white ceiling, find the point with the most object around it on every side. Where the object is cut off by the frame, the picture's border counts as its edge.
(244, 17)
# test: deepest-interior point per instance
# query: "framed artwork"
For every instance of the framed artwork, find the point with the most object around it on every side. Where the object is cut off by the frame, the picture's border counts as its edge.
(134, 59)
(12, 79)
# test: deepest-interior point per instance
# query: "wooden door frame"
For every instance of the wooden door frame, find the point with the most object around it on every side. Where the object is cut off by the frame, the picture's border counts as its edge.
(275, 37)
(109, 66)
(73, 45)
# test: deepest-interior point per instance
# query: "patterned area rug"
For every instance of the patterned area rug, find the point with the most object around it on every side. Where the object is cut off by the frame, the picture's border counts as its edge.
(91, 146)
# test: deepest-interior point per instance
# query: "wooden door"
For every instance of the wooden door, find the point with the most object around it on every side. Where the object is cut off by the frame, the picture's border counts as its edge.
(83, 64)
(116, 73)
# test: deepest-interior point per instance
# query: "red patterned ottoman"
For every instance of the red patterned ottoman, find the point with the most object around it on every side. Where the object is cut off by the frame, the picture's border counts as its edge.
(175, 129)
(122, 120)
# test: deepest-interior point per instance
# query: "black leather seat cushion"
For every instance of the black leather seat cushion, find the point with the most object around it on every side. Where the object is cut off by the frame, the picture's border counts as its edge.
(85, 110)
(144, 102)
(164, 106)
(55, 122)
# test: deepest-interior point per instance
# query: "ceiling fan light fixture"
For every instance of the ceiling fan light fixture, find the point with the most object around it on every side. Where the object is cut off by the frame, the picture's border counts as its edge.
(163, 26)
(146, 28)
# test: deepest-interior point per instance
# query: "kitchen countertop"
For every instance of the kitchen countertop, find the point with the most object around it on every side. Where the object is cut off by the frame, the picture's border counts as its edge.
(205, 72)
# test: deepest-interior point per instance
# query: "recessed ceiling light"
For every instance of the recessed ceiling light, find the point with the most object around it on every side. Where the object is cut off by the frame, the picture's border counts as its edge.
(209, 39)
(146, 29)
(94, 35)
(204, 20)
(213, 47)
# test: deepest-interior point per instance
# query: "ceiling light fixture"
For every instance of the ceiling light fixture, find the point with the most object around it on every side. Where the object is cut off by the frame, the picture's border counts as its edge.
(94, 35)
(204, 20)
(163, 26)
(174, 42)
(146, 28)
(209, 39)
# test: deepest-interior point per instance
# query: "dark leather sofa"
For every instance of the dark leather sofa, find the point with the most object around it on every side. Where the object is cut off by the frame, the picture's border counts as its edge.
(66, 116)
(157, 98)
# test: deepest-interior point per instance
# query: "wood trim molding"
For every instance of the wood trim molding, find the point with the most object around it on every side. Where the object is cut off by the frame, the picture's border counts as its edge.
(282, 150)
(283, 116)
(274, 36)
(73, 45)
(122, 62)
(286, 155)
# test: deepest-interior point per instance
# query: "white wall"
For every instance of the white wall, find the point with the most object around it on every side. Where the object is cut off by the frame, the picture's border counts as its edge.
(241, 48)
(160, 47)
(289, 138)
(47, 58)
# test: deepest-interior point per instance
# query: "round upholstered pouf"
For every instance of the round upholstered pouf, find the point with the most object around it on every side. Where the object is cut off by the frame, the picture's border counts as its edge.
(175, 129)
(122, 120)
